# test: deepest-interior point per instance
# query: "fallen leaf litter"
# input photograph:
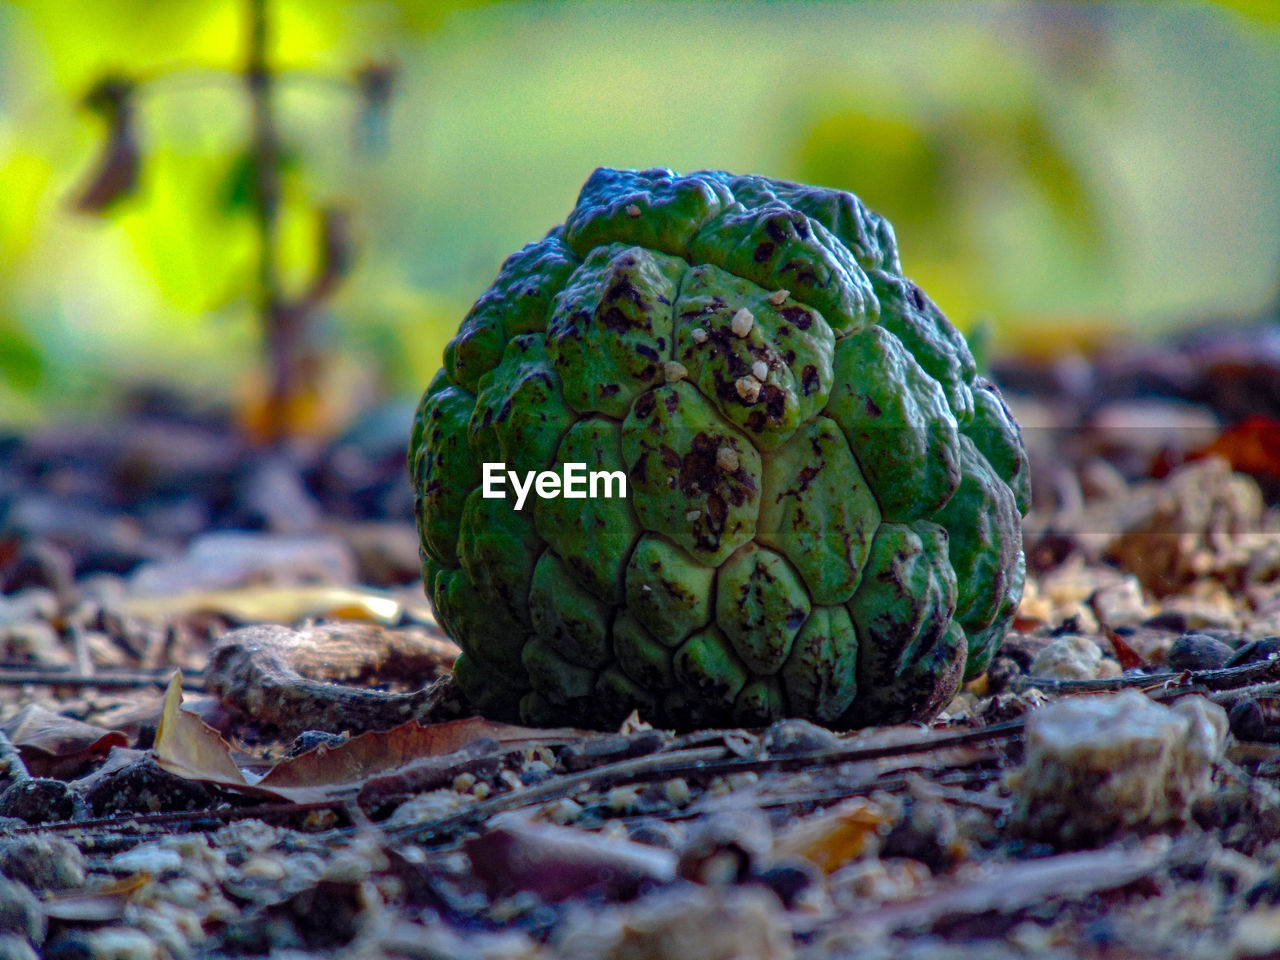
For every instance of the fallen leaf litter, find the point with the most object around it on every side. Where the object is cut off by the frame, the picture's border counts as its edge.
(1004, 830)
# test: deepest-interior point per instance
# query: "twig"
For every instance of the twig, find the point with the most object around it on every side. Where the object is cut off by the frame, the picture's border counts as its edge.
(180, 816)
(1256, 690)
(276, 321)
(116, 679)
(1221, 679)
(703, 761)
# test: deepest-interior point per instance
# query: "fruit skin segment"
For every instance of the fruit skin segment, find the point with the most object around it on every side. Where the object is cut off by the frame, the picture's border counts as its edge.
(824, 499)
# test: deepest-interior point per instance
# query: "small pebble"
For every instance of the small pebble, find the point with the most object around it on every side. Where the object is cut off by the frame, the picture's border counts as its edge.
(727, 459)
(122, 943)
(748, 388)
(39, 800)
(778, 297)
(692, 515)
(264, 868)
(561, 811)
(760, 370)
(1249, 721)
(742, 322)
(789, 737)
(147, 858)
(14, 947)
(926, 832)
(674, 370)
(677, 791)
(1068, 658)
(656, 833)
(633, 211)
(699, 335)
(43, 862)
(1198, 651)
(1256, 651)
(791, 879)
(622, 799)
(20, 912)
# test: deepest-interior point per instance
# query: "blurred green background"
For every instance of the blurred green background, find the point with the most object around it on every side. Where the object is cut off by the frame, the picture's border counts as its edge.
(1053, 170)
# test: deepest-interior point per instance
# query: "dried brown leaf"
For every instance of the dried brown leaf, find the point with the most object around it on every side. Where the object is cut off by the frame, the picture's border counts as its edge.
(190, 748)
(53, 745)
(559, 862)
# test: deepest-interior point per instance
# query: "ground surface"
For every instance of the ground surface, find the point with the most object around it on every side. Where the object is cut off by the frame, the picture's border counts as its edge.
(132, 549)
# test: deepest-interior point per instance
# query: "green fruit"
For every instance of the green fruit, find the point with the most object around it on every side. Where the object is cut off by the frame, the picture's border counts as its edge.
(823, 499)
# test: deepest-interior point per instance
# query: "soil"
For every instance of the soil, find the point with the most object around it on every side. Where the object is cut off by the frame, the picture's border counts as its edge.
(161, 540)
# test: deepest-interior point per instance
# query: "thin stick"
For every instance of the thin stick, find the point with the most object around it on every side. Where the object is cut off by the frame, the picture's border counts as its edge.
(1220, 679)
(704, 761)
(277, 324)
(181, 816)
(115, 679)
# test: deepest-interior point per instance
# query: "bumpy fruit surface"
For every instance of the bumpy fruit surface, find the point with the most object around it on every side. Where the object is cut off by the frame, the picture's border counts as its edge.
(823, 508)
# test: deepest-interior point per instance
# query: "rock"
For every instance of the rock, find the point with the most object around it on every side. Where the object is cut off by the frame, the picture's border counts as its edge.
(1070, 657)
(926, 832)
(122, 943)
(14, 947)
(1256, 651)
(142, 786)
(40, 800)
(1200, 520)
(1121, 604)
(1198, 651)
(793, 736)
(229, 559)
(686, 923)
(148, 858)
(725, 847)
(20, 912)
(1139, 764)
(43, 862)
(274, 498)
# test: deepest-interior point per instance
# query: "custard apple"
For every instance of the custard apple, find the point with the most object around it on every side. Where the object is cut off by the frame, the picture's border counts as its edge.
(822, 500)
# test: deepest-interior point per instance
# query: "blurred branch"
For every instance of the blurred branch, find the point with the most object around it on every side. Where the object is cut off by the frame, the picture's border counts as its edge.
(294, 365)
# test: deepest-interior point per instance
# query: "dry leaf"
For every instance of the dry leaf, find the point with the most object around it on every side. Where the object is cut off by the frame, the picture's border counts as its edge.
(832, 839)
(1251, 446)
(189, 747)
(52, 745)
(102, 905)
(268, 604)
(559, 862)
(1012, 887)
(325, 772)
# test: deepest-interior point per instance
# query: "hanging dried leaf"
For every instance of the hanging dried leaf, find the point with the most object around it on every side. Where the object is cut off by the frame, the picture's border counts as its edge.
(115, 175)
(375, 83)
(334, 256)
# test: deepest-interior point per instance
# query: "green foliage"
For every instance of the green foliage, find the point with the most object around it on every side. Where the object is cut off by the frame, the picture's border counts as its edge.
(1041, 159)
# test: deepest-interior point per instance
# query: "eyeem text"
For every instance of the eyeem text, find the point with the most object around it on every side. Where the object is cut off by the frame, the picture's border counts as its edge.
(576, 484)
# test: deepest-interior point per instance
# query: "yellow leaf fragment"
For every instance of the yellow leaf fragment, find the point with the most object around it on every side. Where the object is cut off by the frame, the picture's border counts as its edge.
(269, 604)
(835, 837)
